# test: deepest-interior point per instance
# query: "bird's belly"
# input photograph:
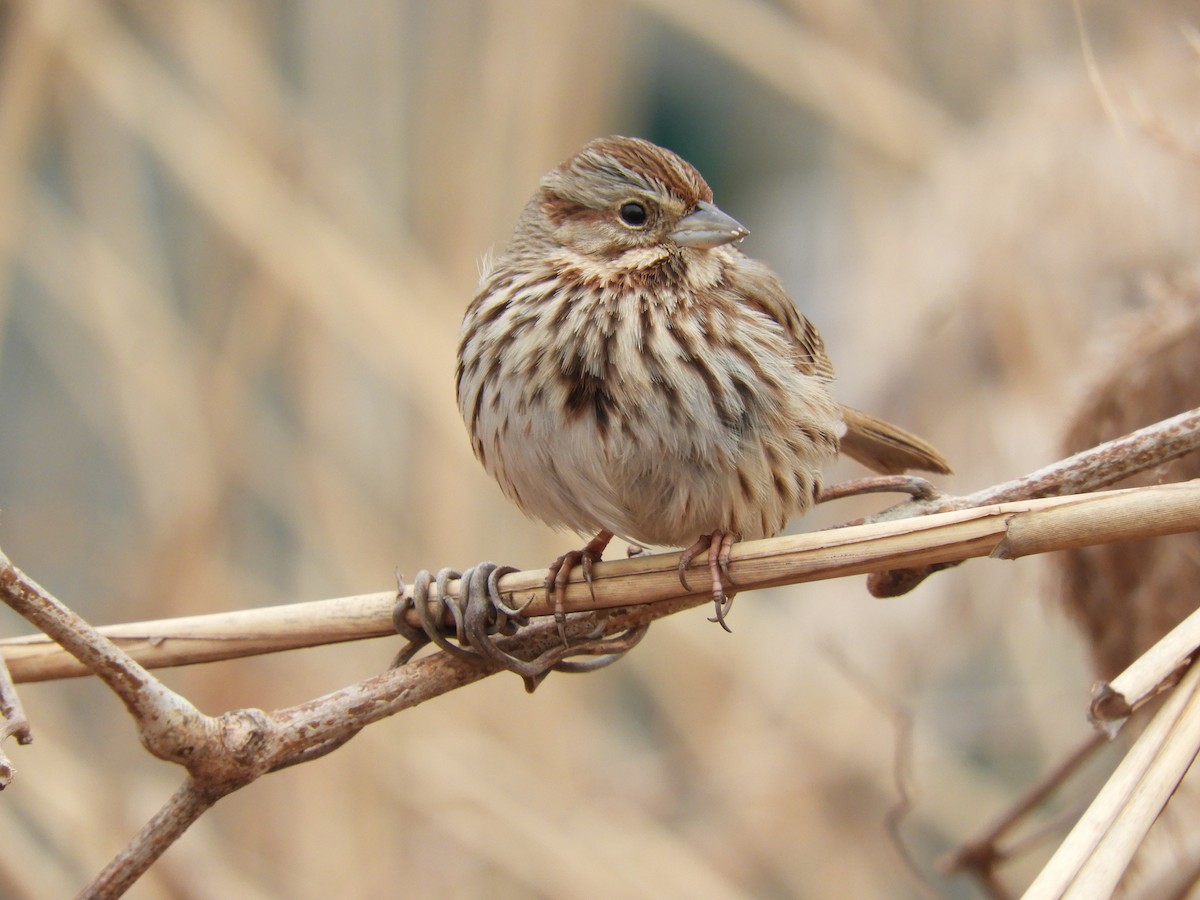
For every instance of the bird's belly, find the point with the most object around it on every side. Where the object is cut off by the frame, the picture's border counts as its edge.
(658, 430)
(656, 478)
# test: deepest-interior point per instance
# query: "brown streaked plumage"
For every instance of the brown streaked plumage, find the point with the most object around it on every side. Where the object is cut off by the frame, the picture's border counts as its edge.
(625, 369)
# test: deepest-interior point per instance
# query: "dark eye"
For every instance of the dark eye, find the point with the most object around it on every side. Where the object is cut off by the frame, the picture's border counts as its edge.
(633, 214)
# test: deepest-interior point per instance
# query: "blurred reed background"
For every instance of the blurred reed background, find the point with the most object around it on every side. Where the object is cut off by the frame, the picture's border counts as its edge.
(237, 239)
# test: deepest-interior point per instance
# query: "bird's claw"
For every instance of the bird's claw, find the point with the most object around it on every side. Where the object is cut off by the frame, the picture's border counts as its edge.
(558, 576)
(719, 545)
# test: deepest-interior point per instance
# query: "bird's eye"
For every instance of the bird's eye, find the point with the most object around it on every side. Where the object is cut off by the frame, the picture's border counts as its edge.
(633, 214)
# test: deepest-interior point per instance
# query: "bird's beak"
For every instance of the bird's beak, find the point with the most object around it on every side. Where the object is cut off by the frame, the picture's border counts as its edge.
(706, 228)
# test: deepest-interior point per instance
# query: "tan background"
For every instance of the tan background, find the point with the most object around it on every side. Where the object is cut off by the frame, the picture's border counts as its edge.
(236, 241)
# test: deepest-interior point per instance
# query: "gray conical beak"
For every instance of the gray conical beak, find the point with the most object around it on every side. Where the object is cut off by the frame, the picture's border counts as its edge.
(707, 227)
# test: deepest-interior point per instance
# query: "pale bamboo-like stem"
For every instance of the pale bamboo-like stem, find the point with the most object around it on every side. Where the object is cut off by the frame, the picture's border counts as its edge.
(1006, 530)
(228, 751)
(1090, 470)
(1092, 858)
(1146, 676)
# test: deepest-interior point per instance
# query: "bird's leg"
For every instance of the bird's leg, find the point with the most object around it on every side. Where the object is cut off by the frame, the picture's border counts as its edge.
(719, 544)
(916, 487)
(559, 576)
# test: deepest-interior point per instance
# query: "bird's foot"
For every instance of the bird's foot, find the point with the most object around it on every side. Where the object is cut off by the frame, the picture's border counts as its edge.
(719, 544)
(481, 616)
(559, 576)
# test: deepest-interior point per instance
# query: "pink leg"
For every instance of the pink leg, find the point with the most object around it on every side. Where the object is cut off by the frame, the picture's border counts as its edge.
(719, 544)
(559, 575)
(917, 488)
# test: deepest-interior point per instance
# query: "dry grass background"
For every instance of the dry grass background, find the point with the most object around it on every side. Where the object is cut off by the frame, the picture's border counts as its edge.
(236, 241)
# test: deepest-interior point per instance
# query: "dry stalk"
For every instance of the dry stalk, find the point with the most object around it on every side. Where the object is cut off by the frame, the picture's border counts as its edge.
(1146, 677)
(224, 753)
(1003, 530)
(1094, 856)
(1098, 850)
(1093, 469)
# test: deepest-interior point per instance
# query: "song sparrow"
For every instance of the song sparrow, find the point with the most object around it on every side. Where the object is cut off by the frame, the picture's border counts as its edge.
(625, 370)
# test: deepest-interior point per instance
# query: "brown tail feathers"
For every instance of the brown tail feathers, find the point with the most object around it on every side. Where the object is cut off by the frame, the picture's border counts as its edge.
(886, 448)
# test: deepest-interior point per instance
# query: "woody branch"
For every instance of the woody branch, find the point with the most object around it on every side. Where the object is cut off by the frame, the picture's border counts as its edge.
(223, 753)
(895, 547)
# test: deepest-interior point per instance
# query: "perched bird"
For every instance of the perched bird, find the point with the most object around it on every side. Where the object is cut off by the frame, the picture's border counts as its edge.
(626, 370)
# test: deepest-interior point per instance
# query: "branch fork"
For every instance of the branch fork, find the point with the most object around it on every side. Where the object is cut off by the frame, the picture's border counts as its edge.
(226, 752)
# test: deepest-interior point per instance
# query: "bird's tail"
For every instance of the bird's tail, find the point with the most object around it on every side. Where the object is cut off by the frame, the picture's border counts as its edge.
(887, 448)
